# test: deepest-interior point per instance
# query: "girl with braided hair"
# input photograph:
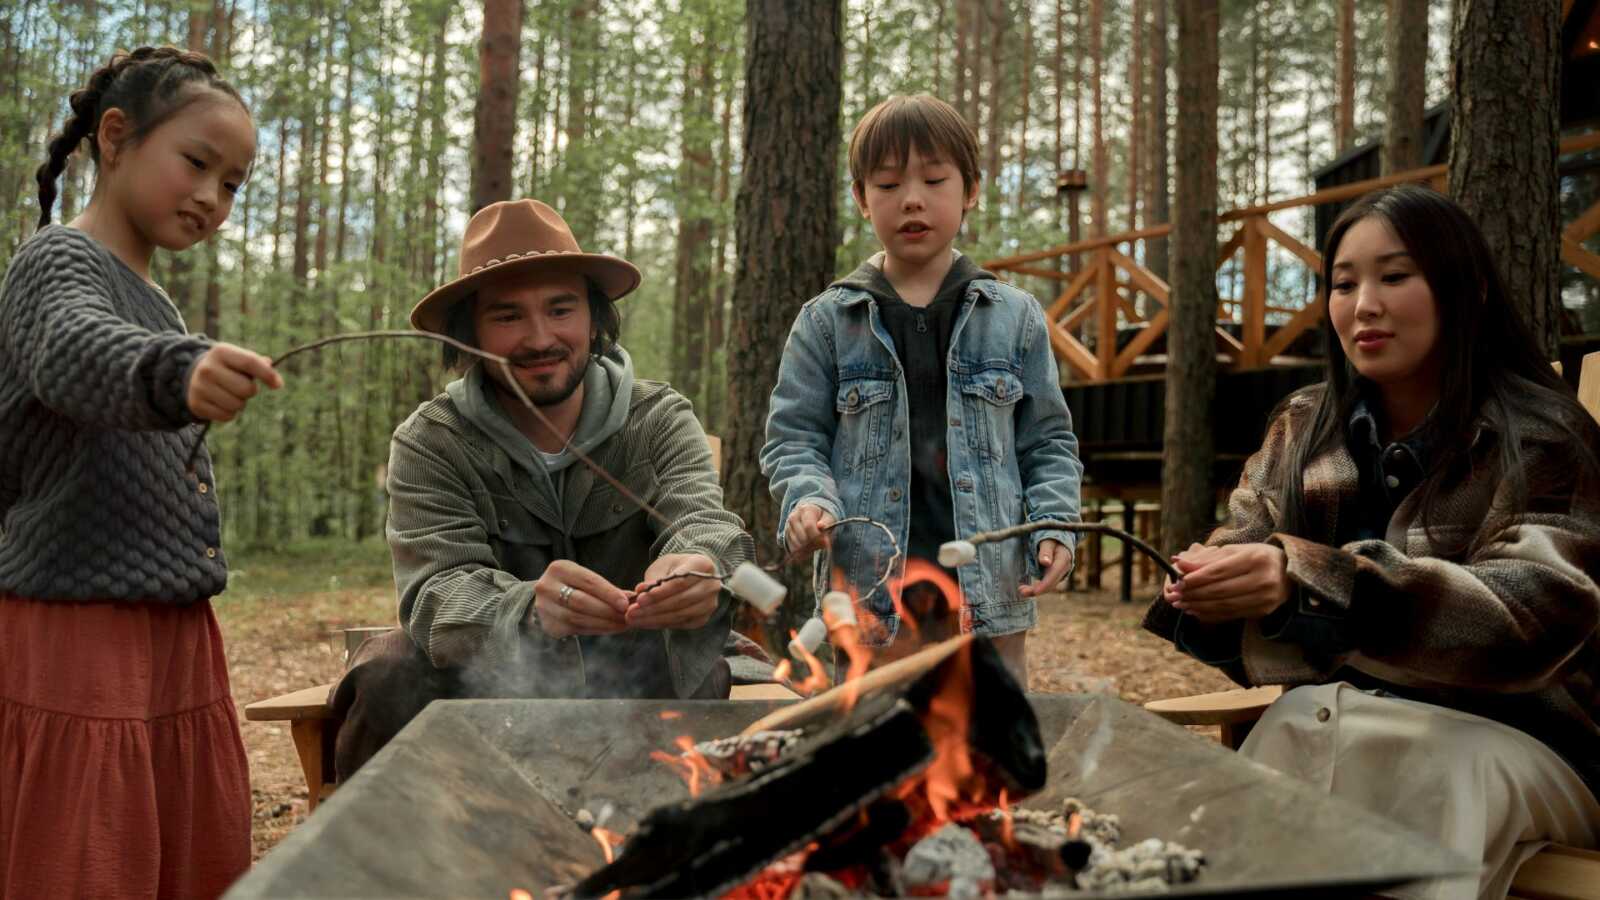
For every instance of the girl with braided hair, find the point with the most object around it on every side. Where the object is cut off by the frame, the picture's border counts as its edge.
(122, 770)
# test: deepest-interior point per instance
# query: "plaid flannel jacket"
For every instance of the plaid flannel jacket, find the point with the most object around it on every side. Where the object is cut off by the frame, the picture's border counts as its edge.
(1505, 627)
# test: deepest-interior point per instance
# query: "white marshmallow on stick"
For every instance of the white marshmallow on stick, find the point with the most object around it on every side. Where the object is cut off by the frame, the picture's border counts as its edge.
(809, 638)
(837, 609)
(757, 588)
(957, 553)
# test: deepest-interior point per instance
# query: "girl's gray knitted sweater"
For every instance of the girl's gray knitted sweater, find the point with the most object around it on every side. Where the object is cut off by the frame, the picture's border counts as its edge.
(96, 503)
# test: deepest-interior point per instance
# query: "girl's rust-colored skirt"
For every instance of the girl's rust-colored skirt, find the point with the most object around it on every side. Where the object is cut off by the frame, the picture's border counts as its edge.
(122, 771)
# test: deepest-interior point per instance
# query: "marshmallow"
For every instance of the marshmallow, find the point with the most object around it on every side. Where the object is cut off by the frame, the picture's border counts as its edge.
(756, 588)
(811, 635)
(836, 605)
(957, 553)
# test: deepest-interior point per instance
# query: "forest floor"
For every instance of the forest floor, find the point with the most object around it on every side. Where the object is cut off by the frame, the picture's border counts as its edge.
(284, 609)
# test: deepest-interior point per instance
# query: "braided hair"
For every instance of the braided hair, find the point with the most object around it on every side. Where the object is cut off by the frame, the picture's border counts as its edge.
(150, 85)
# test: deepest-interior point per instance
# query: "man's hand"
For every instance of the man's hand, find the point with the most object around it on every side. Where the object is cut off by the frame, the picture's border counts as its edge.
(224, 379)
(1224, 584)
(807, 529)
(569, 599)
(1055, 561)
(679, 603)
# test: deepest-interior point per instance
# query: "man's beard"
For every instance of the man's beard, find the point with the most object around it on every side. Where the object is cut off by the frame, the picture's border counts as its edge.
(552, 393)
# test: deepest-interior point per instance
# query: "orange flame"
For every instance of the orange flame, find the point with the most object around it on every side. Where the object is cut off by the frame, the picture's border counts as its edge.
(918, 570)
(690, 765)
(1007, 824)
(607, 840)
(520, 894)
(818, 679)
(668, 715)
(776, 881)
(1074, 825)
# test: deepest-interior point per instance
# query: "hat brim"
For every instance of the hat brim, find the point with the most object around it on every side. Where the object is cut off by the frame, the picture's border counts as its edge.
(615, 277)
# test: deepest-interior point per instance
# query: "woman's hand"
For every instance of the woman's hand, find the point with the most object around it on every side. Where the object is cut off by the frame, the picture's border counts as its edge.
(1224, 584)
(225, 379)
(681, 602)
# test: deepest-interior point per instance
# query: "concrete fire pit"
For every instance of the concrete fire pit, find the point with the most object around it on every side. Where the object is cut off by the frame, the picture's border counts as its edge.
(471, 800)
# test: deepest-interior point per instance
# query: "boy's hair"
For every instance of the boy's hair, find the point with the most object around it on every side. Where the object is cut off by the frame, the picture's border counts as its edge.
(890, 129)
(150, 85)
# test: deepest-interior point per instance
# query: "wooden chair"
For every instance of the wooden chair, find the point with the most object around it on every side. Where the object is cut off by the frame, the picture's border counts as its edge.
(307, 712)
(1557, 873)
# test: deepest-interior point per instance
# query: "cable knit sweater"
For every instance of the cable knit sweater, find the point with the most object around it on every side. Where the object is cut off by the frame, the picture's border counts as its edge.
(96, 502)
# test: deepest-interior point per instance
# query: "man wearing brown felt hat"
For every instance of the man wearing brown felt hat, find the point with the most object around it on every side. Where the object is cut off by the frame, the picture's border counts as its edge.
(520, 572)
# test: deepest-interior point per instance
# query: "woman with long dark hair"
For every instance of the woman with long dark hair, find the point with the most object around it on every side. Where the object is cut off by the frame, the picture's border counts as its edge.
(1414, 550)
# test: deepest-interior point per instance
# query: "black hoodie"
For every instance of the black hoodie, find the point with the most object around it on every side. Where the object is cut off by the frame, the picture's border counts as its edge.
(921, 338)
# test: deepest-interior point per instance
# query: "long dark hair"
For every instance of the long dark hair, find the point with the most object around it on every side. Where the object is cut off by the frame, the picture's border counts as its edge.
(1491, 367)
(150, 85)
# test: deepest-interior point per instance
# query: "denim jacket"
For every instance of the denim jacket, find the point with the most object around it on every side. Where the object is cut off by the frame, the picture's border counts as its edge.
(836, 438)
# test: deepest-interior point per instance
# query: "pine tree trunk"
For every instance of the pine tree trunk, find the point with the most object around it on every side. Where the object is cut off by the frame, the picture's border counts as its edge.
(692, 280)
(1158, 203)
(1345, 121)
(1000, 20)
(494, 131)
(963, 38)
(1136, 109)
(1503, 147)
(787, 226)
(1097, 203)
(1187, 502)
(578, 200)
(1022, 128)
(1406, 45)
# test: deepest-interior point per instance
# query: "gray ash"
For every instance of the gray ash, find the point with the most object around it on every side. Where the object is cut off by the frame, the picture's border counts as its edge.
(743, 754)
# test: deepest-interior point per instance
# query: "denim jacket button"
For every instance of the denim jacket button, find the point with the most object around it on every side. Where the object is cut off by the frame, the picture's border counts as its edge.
(852, 397)
(1000, 390)
(955, 422)
(894, 495)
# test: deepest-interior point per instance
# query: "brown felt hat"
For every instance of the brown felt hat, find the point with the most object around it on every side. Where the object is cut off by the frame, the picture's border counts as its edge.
(523, 236)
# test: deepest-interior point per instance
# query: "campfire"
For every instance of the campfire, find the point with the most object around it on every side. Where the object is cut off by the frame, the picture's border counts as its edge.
(904, 786)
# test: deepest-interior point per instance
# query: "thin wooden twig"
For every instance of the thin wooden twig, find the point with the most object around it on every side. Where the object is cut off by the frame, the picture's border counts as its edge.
(1004, 534)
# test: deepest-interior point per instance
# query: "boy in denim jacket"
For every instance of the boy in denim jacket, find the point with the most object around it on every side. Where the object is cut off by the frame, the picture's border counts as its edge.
(922, 392)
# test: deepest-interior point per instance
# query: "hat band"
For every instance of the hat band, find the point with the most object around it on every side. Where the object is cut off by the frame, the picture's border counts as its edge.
(512, 256)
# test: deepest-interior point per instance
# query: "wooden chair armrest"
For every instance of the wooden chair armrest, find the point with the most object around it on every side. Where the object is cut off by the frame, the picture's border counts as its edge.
(1559, 873)
(302, 705)
(1234, 707)
(762, 692)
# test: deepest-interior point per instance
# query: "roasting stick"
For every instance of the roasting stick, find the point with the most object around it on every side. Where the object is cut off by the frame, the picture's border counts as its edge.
(964, 552)
(748, 581)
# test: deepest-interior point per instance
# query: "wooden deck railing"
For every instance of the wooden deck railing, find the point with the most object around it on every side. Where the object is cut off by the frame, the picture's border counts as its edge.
(1098, 300)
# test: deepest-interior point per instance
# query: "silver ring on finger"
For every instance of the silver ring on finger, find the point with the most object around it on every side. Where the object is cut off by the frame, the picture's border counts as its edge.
(565, 596)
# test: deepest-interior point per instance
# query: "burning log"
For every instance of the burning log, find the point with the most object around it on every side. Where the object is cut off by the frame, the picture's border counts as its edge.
(707, 845)
(894, 771)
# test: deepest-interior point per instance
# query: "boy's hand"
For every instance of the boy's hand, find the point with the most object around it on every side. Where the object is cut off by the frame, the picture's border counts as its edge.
(569, 599)
(807, 529)
(680, 603)
(1055, 560)
(224, 379)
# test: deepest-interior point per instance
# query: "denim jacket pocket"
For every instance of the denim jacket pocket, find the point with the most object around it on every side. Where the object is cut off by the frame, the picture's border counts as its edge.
(991, 397)
(865, 419)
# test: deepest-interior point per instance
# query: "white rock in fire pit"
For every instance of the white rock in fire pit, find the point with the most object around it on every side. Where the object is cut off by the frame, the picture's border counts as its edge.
(1150, 865)
(952, 854)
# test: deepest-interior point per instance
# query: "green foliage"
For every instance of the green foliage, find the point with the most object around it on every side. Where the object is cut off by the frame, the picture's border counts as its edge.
(358, 197)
